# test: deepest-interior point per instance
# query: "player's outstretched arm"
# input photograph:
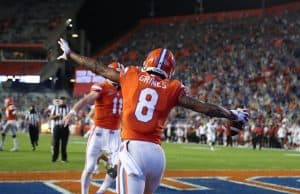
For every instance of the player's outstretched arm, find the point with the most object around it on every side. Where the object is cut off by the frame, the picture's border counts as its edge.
(88, 99)
(90, 63)
(212, 110)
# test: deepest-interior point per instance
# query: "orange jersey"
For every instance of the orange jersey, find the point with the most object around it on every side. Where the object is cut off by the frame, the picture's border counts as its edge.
(147, 101)
(10, 112)
(108, 106)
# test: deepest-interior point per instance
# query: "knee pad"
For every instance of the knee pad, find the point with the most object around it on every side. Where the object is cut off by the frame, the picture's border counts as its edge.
(3, 134)
(14, 136)
(112, 172)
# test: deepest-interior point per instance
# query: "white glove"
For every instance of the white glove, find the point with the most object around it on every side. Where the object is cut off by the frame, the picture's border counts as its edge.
(242, 115)
(64, 46)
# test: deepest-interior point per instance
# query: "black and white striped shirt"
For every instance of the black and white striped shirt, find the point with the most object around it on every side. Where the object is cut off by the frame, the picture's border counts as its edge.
(33, 118)
(62, 111)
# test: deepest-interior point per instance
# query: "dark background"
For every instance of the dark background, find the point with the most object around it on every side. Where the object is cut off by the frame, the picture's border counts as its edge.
(106, 20)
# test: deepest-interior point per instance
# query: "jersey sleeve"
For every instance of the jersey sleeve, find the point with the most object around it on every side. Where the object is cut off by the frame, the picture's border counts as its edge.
(182, 90)
(179, 90)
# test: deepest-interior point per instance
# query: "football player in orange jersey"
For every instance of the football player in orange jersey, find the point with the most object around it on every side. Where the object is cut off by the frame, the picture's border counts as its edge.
(105, 132)
(11, 123)
(148, 95)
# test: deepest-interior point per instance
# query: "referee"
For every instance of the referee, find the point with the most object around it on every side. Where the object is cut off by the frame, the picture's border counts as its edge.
(60, 133)
(32, 118)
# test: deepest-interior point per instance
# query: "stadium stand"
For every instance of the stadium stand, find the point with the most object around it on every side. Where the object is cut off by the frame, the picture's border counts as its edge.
(228, 59)
(30, 28)
(28, 31)
(31, 21)
(223, 58)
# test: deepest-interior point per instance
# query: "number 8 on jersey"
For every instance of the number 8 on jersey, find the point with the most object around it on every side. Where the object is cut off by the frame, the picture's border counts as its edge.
(146, 105)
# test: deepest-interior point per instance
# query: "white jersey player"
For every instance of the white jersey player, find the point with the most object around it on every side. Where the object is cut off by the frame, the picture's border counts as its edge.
(211, 128)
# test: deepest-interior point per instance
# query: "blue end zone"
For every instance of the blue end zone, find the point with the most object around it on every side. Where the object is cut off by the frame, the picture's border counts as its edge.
(26, 187)
(205, 186)
(293, 182)
(216, 186)
(100, 181)
(211, 186)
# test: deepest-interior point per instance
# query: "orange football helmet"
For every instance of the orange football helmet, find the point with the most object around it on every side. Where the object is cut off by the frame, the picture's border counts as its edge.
(160, 61)
(116, 66)
(8, 101)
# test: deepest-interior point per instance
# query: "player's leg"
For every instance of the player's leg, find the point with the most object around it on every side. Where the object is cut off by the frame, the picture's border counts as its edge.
(141, 167)
(31, 136)
(3, 135)
(14, 128)
(35, 135)
(203, 139)
(213, 141)
(55, 141)
(129, 183)
(1, 128)
(154, 177)
(112, 158)
(64, 143)
(260, 141)
(254, 141)
(96, 167)
(210, 141)
(93, 151)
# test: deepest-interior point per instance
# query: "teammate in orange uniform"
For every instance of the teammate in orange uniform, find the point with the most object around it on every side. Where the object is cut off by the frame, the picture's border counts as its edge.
(105, 132)
(148, 96)
(11, 124)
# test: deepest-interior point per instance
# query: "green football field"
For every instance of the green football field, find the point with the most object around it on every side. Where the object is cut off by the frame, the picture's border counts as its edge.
(179, 156)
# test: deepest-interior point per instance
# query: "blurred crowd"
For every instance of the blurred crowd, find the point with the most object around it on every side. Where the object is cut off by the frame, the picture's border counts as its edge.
(235, 63)
(284, 135)
(31, 21)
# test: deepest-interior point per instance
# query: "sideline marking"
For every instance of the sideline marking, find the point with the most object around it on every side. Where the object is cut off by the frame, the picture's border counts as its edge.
(256, 180)
(56, 188)
(174, 183)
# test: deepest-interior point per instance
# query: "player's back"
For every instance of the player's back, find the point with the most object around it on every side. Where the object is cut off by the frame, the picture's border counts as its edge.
(108, 106)
(147, 101)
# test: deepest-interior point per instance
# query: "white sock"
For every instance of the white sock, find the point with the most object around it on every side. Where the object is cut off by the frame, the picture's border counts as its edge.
(106, 183)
